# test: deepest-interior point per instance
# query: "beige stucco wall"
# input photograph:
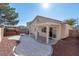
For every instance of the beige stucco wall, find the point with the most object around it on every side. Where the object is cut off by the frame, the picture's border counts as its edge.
(41, 33)
(62, 29)
(59, 32)
(65, 30)
(1, 33)
(32, 27)
(39, 20)
(57, 28)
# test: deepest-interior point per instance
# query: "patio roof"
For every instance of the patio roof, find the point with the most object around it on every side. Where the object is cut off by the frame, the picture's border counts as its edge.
(46, 18)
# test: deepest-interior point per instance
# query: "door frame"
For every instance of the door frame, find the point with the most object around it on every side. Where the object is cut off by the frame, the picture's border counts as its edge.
(52, 32)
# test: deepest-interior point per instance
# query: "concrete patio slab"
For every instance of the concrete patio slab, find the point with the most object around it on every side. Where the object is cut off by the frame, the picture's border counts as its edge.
(15, 37)
(30, 47)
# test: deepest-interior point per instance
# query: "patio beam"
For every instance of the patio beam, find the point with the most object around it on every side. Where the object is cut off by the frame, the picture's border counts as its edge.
(48, 23)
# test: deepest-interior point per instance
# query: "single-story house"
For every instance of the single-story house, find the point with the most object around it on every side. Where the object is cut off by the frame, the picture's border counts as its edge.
(49, 29)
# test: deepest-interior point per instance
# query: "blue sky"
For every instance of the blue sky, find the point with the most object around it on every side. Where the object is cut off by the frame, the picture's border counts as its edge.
(28, 11)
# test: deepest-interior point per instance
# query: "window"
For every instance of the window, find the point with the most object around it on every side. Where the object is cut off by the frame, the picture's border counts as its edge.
(44, 29)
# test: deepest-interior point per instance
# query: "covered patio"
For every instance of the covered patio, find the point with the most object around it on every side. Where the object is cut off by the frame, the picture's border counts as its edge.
(51, 35)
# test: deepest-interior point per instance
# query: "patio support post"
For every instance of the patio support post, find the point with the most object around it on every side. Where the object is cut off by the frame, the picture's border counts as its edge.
(36, 33)
(47, 34)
